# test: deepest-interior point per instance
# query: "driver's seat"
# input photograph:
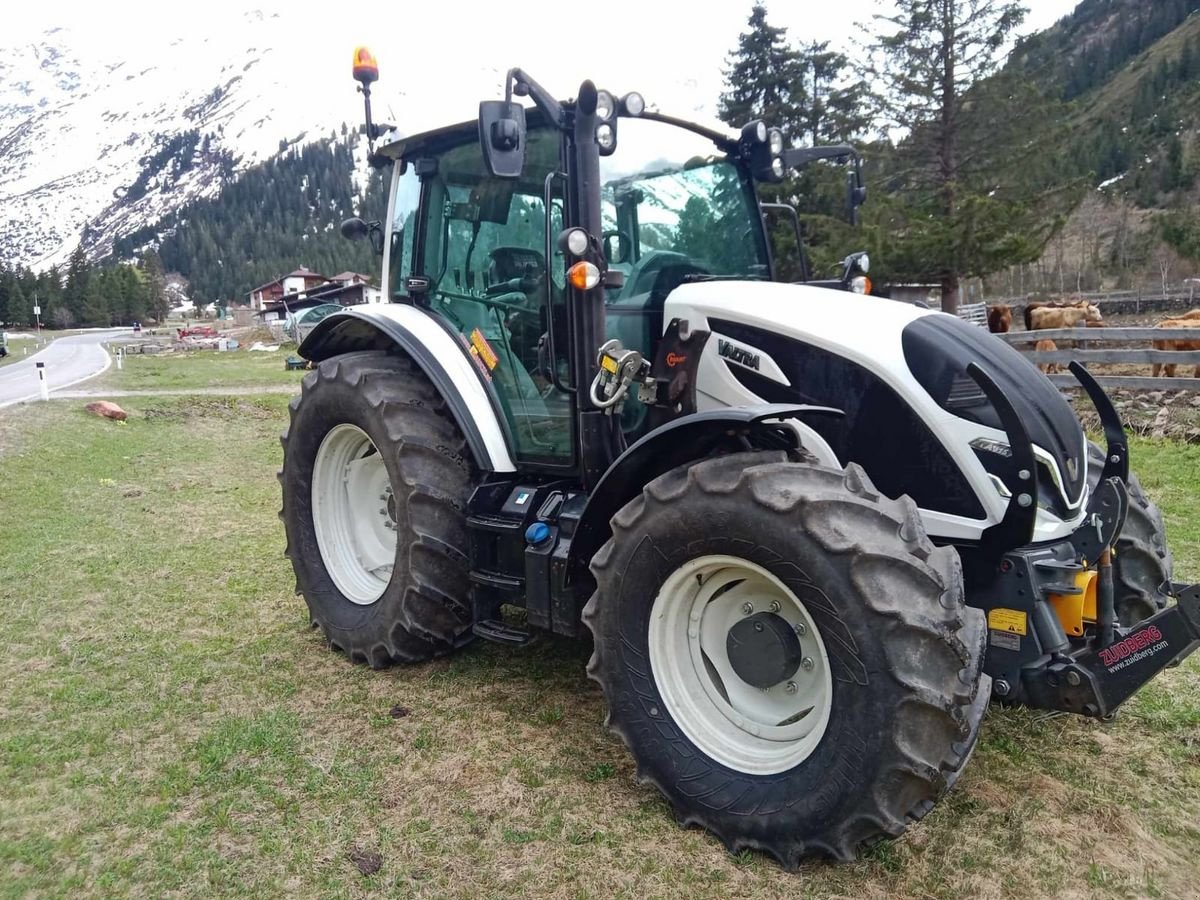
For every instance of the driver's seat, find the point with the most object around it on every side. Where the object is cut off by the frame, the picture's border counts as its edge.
(508, 263)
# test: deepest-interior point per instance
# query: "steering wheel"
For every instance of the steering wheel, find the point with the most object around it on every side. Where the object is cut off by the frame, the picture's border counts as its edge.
(509, 300)
(626, 243)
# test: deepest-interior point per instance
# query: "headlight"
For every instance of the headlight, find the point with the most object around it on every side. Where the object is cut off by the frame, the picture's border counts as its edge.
(777, 167)
(633, 103)
(776, 139)
(860, 284)
(577, 241)
(605, 105)
(754, 133)
(605, 136)
(864, 263)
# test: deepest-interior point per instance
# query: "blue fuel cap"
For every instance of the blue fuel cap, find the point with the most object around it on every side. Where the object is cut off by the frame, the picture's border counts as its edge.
(537, 533)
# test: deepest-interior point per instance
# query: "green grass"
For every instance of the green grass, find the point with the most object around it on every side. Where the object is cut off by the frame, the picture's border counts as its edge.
(16, 345)
(183, 370)
(169, 724)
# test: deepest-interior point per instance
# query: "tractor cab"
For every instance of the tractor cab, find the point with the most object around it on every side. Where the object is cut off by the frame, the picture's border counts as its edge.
(476, 229)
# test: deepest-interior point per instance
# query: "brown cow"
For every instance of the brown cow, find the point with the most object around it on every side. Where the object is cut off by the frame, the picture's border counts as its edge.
(999, 318)
(1050, 304)
(1044, 346)
(1191, 314)
(1063, 316)
(1178, 345)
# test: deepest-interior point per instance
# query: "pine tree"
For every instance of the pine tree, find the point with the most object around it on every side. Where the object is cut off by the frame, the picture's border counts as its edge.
(764, 79)
(5, 291)
(974, 192)
(838, 109)
(20, 310)
(78, 275)
(155, 286)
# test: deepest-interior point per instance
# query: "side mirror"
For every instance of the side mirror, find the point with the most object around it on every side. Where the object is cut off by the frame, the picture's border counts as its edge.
(856, 192)
(355, 229)
(502, 137)
(375, 233)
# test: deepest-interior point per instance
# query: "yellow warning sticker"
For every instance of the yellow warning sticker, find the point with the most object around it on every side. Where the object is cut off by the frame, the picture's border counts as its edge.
(484, 349)
(609, 364)
(1010, 620)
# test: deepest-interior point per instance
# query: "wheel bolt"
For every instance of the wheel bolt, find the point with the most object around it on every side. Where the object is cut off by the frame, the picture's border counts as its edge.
(747, 608)
(801, 629)
(383, 496)
(807, 664)
(791, 687)
(383, 510)
(775, 606)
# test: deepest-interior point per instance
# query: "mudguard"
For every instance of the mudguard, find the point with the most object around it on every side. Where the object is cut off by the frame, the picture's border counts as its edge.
(676, 443)
(442, 357)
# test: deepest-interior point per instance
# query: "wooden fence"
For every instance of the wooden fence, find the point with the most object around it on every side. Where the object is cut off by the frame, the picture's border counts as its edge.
(975, 313)
(1185, 360)
(1174, 299)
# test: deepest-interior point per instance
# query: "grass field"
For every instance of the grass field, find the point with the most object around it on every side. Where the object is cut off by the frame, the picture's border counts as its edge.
(170, 724)
(182, 370)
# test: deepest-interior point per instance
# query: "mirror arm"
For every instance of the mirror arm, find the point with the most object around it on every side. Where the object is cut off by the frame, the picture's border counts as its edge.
(517, 80)
(796, 157)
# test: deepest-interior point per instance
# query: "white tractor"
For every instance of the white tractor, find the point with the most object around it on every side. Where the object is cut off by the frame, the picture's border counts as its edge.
(811, 532)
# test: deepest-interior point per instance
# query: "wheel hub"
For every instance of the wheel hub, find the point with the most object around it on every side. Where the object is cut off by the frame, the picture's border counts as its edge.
(354, 514)
(740, 664)
(764, 650)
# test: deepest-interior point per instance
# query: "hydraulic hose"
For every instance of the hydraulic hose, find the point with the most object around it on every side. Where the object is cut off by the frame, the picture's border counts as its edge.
(1106, 614)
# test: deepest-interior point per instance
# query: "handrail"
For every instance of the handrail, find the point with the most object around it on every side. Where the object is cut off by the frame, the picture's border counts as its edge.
(547, 200)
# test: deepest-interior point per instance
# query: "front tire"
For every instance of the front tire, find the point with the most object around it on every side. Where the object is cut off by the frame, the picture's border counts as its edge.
(873, 725)
(376, 477)
(1142, 563)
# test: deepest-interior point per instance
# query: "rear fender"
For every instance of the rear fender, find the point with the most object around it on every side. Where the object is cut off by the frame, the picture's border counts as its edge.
(442, 357)
(678, 442)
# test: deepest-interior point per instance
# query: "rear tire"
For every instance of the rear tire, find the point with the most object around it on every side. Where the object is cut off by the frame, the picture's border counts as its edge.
(1142, 565)
(891, 628)
(376, 477)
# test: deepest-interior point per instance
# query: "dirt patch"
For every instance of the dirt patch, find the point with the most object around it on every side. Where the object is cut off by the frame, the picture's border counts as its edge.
(1159, 414)
(211, 408)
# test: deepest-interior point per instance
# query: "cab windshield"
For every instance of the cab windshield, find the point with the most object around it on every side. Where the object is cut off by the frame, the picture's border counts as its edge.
(673, 211)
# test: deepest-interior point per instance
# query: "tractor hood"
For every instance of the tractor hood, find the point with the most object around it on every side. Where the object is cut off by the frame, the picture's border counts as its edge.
(914, 419)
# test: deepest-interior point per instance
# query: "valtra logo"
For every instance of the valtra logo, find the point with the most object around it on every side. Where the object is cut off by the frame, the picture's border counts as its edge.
(675, 359)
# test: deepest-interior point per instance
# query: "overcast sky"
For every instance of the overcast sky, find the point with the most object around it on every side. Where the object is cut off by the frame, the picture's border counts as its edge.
(673, 52)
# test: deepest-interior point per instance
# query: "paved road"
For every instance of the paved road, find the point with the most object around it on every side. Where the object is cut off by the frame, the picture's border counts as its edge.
(68, 360)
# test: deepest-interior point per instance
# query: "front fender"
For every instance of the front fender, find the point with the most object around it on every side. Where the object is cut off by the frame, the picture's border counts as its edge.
(678, 442)
(441, 356)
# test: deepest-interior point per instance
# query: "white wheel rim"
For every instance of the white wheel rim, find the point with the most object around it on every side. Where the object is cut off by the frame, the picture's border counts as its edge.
(354, 514)
(740, 726)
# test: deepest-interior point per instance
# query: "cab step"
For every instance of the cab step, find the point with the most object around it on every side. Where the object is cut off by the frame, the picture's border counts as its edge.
(501, 633)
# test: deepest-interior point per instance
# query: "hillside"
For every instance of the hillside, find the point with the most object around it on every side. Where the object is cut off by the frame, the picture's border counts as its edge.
(98, 139)
(273, 217)
(1130, 74)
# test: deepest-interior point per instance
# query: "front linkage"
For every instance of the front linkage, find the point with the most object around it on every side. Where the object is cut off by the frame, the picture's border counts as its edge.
(1053, 640)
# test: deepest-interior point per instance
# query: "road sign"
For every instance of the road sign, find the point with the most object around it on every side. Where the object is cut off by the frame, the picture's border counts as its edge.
(37, 310)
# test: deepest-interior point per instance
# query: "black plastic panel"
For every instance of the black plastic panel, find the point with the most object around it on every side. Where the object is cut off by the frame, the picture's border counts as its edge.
(879, 431)
(938, 350)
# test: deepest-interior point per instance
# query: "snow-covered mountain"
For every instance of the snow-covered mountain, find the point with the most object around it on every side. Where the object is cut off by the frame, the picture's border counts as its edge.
(95, 134)
(97, 115)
